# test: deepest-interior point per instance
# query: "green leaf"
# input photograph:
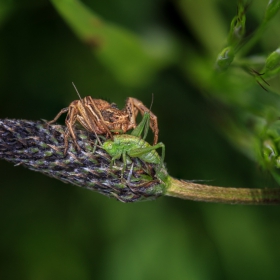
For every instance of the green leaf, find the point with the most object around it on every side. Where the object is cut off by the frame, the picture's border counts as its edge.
(272, 8)
(273, 60)
(132, 60)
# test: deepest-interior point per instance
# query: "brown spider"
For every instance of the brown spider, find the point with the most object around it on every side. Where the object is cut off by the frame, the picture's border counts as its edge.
(100, 117)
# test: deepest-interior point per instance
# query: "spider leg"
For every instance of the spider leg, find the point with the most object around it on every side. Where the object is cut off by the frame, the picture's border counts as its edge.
(66, 137)
(132, 111)
(93, 111)
(70, 121)
(89, 127)
(62, 111)
(133, 105)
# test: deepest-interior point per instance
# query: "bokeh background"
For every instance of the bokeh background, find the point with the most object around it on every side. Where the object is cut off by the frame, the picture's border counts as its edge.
(51, 230)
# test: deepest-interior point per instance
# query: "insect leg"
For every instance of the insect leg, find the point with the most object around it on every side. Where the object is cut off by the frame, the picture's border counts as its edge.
(116, 156)
(145, 152)
(143, 125)
(95, 145)
(124, 163)
(142, 108)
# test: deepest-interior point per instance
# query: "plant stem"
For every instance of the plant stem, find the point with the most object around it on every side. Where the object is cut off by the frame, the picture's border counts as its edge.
(200, 192)
(40, 148)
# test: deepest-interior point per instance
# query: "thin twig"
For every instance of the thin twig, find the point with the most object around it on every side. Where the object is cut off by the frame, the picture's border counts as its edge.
(199, 192)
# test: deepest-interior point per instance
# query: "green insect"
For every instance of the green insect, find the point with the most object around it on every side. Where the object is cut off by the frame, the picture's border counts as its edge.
(133, 146)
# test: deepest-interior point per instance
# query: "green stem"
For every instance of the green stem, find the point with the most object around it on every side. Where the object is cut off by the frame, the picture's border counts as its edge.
(253, 40)
(199, 192)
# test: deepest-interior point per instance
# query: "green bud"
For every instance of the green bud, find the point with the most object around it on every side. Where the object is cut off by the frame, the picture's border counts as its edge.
(273, 60)
(271, 9)
(277, 162)
(273, 131)
(269, 151)
(225, 58)
(237, 26)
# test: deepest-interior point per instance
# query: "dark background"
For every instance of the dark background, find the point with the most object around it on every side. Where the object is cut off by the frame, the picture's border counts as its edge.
(50, 230)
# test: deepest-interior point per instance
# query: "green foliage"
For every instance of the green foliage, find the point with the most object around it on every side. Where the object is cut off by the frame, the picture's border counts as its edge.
(220, 126)
(130, 58)
(237, 27)
(272, 8)
(272, 64)
(237, 37)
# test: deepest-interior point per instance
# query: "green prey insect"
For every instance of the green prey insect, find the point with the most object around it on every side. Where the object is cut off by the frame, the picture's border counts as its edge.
(133, 146)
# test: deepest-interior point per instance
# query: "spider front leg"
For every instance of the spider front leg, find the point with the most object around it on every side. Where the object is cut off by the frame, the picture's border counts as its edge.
(94, 118)
(62, 111)
(70, 121)
(66, 133)
(66, 136)
(134, 105)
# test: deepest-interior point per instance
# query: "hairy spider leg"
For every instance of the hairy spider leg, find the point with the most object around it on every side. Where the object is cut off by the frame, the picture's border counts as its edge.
(70, 121)
(85, 110)
(92, 110)
(137, 106)
(85, 120)
(62, 111)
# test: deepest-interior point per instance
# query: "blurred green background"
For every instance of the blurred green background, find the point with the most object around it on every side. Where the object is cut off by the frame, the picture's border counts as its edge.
(113, 49)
